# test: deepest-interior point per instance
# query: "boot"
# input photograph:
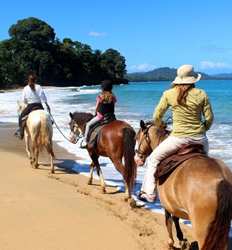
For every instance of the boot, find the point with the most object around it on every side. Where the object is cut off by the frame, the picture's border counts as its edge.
(19, 133)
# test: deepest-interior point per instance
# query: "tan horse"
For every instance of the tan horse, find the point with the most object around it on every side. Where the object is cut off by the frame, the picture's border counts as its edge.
(199, 190)
(38, 135)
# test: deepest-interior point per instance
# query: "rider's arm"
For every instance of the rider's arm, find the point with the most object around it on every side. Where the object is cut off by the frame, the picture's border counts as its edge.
(43, 98)
(98, 100)
(160, 109)
(207, 112)
(24, 99)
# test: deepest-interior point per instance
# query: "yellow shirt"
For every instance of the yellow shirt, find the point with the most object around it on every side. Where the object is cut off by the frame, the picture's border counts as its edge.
(191, 120)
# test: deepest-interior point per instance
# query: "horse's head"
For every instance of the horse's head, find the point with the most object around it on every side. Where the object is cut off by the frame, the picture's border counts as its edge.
(21, 107)
(77, 125)
(148, 137)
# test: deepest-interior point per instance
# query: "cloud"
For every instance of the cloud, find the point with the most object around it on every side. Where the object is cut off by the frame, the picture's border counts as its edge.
(96, 34)
(214, 65)
(141, 67)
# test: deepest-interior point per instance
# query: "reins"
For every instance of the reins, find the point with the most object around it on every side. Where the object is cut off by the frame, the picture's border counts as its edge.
(161, 132)
(147, 140)
(58, 128)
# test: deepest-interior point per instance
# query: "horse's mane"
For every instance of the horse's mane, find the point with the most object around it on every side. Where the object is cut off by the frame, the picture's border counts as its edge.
(148, 123)
(81, 117)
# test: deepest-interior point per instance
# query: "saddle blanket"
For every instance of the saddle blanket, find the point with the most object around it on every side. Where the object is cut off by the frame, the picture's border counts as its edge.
(168, 165)
(95, 130)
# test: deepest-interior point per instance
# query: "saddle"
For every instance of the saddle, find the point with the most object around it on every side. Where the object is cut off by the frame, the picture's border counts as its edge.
(24, 118)
(169, 164)
(94, 131)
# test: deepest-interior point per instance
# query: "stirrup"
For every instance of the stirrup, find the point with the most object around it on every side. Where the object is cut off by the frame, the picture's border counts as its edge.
(142, 196)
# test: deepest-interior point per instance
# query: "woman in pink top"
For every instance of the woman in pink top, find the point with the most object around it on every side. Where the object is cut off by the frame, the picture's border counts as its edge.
(104, 107)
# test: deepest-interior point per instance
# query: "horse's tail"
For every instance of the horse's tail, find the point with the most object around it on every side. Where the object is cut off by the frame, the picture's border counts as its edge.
(128, 153)
(218, 231)
(45, 131)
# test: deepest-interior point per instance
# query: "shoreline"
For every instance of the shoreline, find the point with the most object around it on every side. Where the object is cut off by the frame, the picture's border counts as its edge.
(145, 227)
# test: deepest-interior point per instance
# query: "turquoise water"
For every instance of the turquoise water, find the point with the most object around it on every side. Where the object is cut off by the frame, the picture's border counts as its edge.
(136, 101)
(139, 99)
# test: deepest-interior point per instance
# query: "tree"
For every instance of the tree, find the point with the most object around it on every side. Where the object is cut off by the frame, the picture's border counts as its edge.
(113, 64)
(33, 46)
(34, 30)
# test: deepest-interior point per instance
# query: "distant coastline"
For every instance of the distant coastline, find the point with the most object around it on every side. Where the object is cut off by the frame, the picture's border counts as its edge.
(168, 74)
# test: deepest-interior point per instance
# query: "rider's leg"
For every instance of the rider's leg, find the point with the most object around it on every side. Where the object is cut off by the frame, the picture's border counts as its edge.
(164, 149)
(203, 140)
(24, 113)
(88, 125)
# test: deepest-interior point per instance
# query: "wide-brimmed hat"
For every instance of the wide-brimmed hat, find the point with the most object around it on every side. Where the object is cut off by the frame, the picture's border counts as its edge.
(186, 75)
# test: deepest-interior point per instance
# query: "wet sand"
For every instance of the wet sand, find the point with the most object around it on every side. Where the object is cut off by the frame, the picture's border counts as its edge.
(41, 211)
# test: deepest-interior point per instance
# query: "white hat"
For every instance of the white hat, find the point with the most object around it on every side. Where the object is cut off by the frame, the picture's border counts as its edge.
(186, 75)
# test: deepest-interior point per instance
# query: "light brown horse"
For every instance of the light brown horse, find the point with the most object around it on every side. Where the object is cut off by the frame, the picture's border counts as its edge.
(199, 190)
(116, 141)
(38, 135)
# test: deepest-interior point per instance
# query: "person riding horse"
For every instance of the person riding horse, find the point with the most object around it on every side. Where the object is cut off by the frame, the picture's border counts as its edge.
(188, 105)
(33, 96)
(105, 103)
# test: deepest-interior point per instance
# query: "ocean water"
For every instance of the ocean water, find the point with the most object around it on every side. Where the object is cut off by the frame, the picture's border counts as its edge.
(136, 101)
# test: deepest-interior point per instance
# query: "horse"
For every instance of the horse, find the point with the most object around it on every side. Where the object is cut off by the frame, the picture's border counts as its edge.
(38, 133)
(199, 190)
(116, 140)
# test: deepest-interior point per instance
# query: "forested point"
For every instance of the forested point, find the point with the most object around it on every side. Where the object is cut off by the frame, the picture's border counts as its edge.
(33, 46)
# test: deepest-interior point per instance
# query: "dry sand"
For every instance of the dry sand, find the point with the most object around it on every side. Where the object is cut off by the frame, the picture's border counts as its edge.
(40, 211)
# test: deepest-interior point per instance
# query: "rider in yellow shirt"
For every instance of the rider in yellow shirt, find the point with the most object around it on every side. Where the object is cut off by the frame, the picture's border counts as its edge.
(192, 117)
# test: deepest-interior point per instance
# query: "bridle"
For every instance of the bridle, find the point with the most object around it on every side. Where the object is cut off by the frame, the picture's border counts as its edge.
(145, 138)
(161, 133)
(77, 132)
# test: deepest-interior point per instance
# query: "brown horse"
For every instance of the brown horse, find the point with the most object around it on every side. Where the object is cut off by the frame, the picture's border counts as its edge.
(199, 190)
(116, 141)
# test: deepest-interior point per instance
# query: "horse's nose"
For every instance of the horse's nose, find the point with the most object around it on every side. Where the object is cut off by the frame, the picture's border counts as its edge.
(72, 138)
(138, 160)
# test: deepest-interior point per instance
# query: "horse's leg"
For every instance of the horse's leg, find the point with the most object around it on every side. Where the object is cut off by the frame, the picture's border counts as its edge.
(27, 144)
(36, 150)
(168, 221)
(99, 172)
(51, 153)
(183, 242)
(90, 181)
(201, 220)
(119, 166)
(95, 163)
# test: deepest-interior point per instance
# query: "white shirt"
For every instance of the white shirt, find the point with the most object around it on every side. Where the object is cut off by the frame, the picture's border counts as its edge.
(29, 96)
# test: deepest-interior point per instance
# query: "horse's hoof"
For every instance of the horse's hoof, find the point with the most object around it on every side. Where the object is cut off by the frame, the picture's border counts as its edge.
(90, 182)
(184, 245)
(52, 172)
(104, 191)
(126, 199)
(132, 203)
(170, 244)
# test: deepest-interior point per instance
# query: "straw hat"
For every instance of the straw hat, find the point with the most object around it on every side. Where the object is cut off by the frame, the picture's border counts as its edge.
(186, 75)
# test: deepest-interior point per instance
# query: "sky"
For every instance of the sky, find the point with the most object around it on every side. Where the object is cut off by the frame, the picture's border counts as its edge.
(148, 33)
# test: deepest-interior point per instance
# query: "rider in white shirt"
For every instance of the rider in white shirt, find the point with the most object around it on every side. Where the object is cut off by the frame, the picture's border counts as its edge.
(33, 96)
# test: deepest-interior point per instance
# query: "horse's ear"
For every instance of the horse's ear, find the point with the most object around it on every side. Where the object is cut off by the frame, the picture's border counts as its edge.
(142, 124)
(71, 115)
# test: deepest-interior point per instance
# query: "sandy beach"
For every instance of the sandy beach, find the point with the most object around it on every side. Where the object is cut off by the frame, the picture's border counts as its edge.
(41, 211)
